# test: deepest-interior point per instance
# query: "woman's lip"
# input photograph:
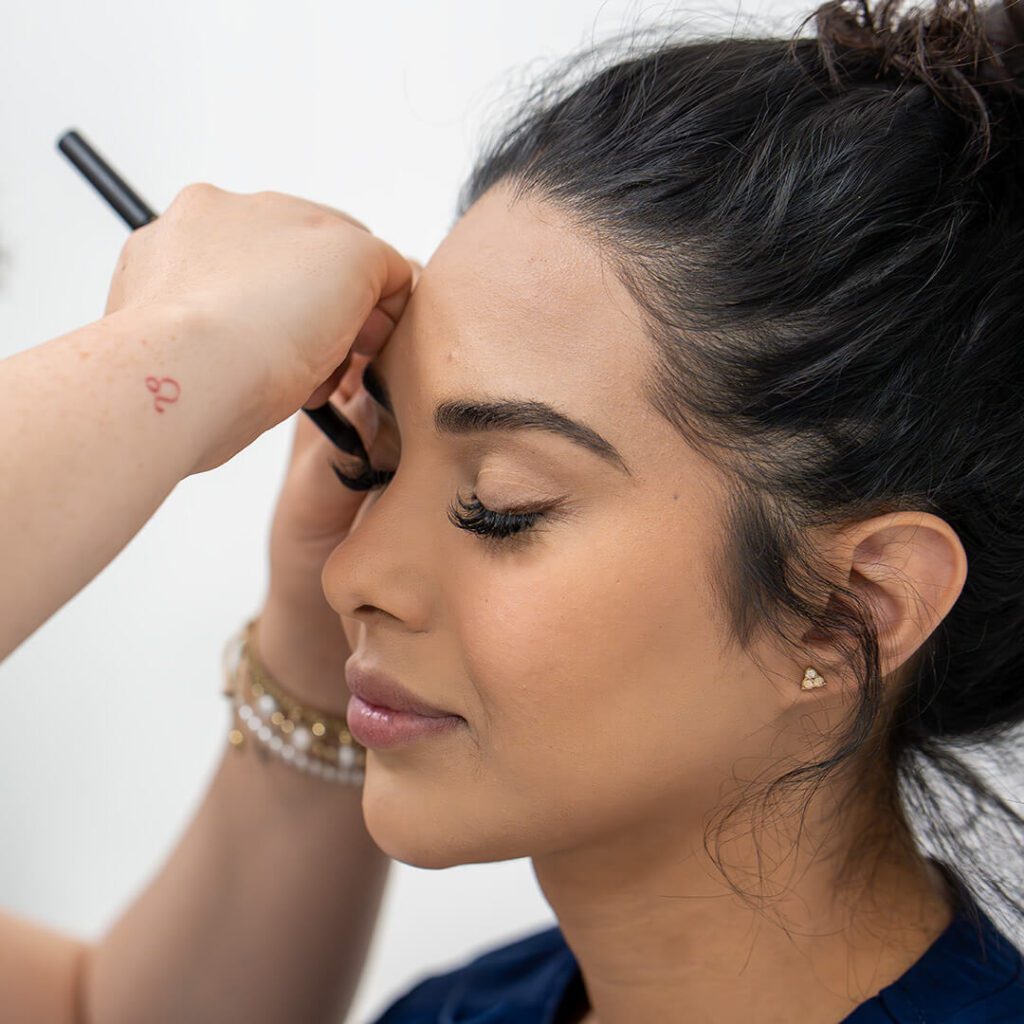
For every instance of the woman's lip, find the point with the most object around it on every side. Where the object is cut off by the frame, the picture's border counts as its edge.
(382, 691)
(379, 727)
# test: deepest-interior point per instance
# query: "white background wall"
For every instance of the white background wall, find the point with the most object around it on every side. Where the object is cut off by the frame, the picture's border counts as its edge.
(112, 717)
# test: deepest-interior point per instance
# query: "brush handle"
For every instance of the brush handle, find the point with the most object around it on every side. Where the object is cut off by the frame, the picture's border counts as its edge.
(121, 196)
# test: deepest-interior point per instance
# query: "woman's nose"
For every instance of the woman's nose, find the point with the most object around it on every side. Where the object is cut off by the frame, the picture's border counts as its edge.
(381, 570)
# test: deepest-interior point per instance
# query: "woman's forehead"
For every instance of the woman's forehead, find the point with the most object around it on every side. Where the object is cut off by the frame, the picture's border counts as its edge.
(514, 306)
(528, 253)
(514, 293)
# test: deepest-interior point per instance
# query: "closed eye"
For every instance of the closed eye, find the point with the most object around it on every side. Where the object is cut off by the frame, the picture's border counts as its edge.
(471, 515)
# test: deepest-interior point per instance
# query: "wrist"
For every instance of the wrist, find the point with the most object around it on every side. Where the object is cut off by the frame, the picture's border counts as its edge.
(194, 380)
(310, 737)
(308, 662)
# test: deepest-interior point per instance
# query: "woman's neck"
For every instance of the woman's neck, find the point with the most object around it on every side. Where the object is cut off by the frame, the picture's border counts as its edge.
(660, 939)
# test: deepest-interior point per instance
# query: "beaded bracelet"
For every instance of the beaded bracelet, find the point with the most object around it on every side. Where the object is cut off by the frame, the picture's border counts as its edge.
(306, 738)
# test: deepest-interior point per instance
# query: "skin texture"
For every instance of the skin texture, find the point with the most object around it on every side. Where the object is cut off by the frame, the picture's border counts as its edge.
(606, 713)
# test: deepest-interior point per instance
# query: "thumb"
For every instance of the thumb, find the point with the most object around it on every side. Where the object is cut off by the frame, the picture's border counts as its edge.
(385, 315)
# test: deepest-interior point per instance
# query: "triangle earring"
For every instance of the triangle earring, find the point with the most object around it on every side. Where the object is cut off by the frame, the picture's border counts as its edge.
(811, 680)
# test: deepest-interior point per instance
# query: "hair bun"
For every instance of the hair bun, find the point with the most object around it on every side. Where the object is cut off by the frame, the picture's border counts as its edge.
(971, 58)
(1003, 25)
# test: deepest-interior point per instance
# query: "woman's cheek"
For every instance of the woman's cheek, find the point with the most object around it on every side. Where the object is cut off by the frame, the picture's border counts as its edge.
(537, 638)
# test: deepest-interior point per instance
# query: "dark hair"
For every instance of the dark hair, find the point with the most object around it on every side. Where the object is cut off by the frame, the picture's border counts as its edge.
(825, 236)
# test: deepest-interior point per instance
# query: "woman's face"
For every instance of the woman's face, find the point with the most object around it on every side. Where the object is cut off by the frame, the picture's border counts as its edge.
(586, 655)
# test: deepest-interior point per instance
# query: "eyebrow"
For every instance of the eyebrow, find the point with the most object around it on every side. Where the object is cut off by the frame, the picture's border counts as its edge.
(465, 416)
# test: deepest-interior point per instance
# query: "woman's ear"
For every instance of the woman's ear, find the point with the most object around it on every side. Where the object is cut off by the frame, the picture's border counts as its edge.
(909, 568)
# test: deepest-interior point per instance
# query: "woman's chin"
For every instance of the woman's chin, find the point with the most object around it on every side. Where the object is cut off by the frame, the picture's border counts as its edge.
(409, 827)
(418, 848)
(406, 828)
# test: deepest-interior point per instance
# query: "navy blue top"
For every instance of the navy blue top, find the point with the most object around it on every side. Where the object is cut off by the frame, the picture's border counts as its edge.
(962, 978)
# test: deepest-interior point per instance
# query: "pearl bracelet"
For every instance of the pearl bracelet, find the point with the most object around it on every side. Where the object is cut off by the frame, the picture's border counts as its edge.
(306, 738)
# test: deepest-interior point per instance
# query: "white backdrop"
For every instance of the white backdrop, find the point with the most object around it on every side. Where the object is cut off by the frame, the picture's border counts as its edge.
(112, 711)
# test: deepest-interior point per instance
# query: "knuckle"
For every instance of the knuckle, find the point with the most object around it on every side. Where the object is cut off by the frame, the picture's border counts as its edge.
(196, 190)
(354, 222)
(318, 218)
(129, 248)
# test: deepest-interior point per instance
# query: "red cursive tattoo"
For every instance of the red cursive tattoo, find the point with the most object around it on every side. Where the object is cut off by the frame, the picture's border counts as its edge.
(156, 386)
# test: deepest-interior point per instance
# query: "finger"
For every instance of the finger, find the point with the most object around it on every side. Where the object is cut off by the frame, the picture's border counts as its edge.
(382, 320)
(397, 285)
(417, 269)
(352, 379)
(328, 387)
(394, 296)
(291, 197)
(373, 334)
(320, 395)
(344, 382)
(341, 213)
(393, 283)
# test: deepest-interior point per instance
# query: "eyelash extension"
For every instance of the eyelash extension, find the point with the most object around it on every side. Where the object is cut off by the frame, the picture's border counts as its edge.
(476, 517)
(368, 479)
(471, 515)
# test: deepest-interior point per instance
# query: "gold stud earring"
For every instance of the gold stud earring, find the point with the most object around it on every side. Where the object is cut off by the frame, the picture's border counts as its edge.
(811, 680)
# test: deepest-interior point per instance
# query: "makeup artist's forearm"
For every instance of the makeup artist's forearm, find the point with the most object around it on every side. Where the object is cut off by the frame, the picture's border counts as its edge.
(86, 458)
(264, 913)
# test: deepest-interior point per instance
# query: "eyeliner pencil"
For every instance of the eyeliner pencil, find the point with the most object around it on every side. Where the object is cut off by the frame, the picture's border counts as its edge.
(127, 204)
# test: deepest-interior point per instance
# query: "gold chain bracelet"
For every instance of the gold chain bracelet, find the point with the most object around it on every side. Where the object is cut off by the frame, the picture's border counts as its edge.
(308, 738)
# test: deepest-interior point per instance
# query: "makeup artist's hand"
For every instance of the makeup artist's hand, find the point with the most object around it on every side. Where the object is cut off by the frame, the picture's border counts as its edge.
(282, 288)
(300, 637)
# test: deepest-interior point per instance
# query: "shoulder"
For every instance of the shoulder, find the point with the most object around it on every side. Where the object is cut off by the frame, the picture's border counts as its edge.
(521, 974)
(972, 974)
